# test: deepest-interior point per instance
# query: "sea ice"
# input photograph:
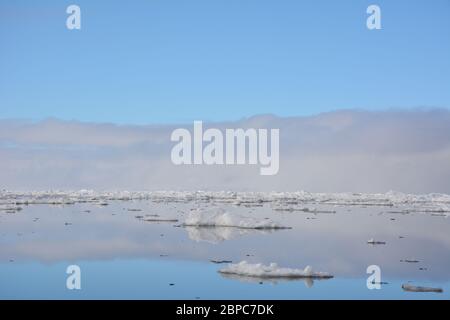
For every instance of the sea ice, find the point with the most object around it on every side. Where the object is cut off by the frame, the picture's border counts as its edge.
(411, 288)
(372, 241)
(284, 201)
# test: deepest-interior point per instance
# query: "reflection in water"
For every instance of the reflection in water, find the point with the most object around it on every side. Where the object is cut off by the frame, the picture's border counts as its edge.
(309, 282)
(335, 243)
(216, 235)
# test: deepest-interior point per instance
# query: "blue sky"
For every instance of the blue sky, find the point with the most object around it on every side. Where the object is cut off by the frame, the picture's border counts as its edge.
(162, 61)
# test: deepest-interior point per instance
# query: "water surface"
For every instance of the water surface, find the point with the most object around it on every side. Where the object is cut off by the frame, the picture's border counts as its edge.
(123, 256)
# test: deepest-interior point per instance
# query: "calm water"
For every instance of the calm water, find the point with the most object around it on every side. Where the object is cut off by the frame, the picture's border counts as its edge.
(122, 256)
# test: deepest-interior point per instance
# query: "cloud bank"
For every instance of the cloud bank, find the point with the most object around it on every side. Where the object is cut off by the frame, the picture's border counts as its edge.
(359, 151)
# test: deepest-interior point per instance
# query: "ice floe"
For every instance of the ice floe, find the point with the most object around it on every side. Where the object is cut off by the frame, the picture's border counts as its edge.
(218, 261)
(412, 288)
(159, 220)
(11, 209)
(272, 270)
(372, 241)
(410, 260)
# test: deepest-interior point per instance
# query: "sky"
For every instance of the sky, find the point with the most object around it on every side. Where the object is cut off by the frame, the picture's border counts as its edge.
(173, 61)
(358, 110)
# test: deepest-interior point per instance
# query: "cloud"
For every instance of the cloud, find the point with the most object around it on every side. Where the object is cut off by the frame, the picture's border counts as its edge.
(350, 150)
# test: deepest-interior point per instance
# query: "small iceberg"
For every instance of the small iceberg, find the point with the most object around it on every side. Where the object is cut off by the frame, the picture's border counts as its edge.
(372, 241)
(410, 261)
(411, 288)
(160, 220)
(13, 209)
(218, 261)
(259, 270)
(225, 219)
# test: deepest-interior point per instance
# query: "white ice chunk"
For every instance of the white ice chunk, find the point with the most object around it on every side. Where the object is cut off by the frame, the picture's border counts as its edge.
(411, 288)
(372, 241)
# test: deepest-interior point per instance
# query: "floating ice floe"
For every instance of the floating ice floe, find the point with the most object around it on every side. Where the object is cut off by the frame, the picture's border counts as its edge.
(372, 241)
(160, 220)
(281, 207)
(411, 288)
(11, 209)
(410, 260)
(218, 261)
(225, 219)
(272, 270)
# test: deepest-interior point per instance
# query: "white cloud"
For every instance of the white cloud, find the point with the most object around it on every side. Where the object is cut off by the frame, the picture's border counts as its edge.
(349, 150)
